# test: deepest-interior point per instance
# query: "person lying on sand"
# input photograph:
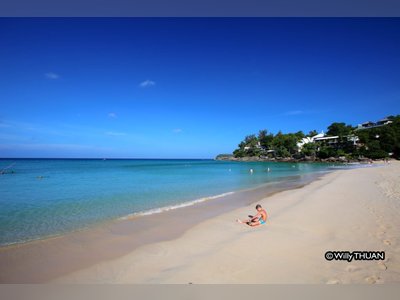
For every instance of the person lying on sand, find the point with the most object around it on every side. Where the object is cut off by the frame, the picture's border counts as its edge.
(256, 220)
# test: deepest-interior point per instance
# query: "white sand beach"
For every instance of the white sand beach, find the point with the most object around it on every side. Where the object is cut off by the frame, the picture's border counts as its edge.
(347, 210)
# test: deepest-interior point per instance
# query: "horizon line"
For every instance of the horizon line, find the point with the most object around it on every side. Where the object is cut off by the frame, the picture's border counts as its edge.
(102, 158)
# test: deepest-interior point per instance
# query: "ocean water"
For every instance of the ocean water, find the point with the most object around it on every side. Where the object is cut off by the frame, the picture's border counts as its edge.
(46, 197)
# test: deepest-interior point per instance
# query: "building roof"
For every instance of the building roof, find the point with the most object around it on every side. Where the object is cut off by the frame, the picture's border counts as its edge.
(319, 135)
(367, 123)
(385, 120)
(327, 138)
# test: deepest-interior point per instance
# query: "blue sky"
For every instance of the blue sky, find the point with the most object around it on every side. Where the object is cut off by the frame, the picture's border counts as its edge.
(187, 88)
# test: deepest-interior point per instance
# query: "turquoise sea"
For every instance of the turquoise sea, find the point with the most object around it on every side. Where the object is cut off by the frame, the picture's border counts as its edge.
(47, 197)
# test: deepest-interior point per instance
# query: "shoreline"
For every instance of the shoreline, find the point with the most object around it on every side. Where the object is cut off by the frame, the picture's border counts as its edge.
(131, 216)
(40, 260)
(345, 210)
(67, 211)
(179, 205)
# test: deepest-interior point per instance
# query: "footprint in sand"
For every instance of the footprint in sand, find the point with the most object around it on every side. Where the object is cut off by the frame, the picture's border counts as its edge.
(352, 268)
(333, 281)
(387, 242)
(382, 266)
(373, 279)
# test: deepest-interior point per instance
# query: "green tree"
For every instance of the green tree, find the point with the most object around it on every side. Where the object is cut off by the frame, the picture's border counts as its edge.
(290, 142)
(375, 142)
(380, 141)
(299, 135)
(374, 149)
(265, 139)
(309, 149)
(339, 129)
(282, 152)
(251, 140)
(279, 145)
(238, 153)
(326, 152)
(312, 132)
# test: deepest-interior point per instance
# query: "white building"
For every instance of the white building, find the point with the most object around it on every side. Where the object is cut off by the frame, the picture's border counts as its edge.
(320, 137)
(370, 124)
(258, 146)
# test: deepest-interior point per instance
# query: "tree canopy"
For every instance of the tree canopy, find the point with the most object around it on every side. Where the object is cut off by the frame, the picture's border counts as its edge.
(376, 142)
(339, 129)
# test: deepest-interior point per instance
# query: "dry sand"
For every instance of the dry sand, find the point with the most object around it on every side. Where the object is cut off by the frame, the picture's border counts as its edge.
(347, 210)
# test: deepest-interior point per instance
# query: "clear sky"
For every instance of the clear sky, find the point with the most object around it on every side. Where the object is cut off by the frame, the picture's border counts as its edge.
(187, 88)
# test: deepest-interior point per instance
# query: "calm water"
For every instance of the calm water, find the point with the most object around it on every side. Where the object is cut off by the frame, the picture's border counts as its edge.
(49, 197)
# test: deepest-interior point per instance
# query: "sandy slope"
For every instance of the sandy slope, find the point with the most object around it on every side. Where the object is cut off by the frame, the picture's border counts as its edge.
(350, 210)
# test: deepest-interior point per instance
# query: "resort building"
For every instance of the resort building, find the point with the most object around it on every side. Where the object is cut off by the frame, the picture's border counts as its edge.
(320, 138)
(257, 146)
(384, 121)
(369, 124)
(353, 139)
(327, 139)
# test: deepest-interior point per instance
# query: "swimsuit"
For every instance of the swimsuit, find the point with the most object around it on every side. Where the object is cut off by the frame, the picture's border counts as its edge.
(261, 220)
